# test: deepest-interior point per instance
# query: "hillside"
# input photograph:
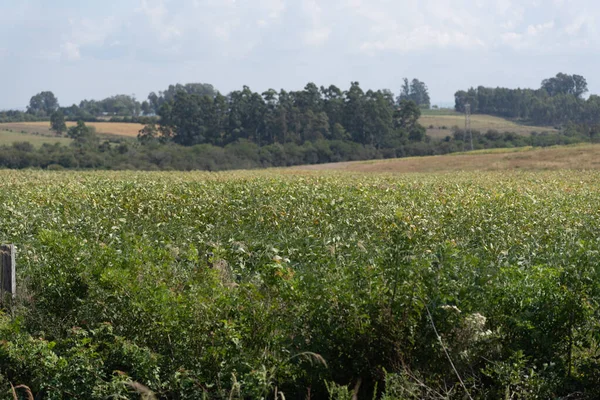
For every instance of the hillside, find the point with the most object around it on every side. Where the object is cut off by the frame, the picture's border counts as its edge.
(579, 157)
(439, 123)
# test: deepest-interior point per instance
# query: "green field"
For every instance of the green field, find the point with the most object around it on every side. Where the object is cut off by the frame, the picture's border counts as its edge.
(439, 124)
(7, 138)
(252, 284)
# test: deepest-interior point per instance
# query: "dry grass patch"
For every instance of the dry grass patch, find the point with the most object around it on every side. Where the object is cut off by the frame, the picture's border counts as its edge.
(579, 157)
(479, 122)
(8, 138)
(106, 128)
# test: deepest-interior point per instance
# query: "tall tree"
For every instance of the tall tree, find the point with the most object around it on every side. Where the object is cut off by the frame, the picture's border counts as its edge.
(185, 119)
(420, 94)
(43, 104)
(407, 119)
(57, 122)
(354, 111)
(565, 84)
(83, 136)
(416, 91)
(404, 91)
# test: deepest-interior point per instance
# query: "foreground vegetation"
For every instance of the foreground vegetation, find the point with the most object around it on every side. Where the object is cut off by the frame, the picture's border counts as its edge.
(250, 285)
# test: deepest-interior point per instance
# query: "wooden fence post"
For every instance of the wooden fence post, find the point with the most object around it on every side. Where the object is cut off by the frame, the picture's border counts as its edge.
(8, 281)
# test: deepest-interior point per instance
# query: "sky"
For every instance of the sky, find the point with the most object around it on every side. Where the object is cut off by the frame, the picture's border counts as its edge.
(94, 49)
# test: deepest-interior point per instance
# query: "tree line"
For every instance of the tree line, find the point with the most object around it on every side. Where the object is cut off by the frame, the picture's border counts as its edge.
(42, 105)
(369, 117)
(559, 100)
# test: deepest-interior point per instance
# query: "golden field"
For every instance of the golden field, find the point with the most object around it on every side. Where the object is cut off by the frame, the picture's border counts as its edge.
(106, 128)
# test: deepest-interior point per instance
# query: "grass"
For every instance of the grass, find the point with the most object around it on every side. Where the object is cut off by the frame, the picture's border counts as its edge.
(106, 128)
(576, 157)
(480, 122)
(7, 138)
(440, 111)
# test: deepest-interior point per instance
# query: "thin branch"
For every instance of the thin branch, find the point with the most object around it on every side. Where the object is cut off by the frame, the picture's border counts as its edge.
(446, 352)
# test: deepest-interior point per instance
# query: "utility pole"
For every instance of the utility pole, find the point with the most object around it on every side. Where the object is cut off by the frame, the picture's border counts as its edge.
(468, 126)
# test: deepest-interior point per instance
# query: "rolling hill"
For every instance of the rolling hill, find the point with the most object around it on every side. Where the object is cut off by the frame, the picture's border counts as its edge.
(439, 123)
(576, 157)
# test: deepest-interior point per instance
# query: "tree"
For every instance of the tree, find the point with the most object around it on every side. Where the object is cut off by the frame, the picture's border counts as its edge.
(581, 87)
(407, 119)
(461, 98)
(148, 134)
(146, 108)
(354, 111)
(83, 135)
(419, 93)
(416, 91)
(184, 119)
(405, 91)
(57, 123)
(43, 104)
(565, 84)
(201, 89)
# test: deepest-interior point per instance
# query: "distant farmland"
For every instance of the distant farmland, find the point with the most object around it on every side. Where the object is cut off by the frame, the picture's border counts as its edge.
(576, 157)
(8, 138)
(106, 128)
(439, 124)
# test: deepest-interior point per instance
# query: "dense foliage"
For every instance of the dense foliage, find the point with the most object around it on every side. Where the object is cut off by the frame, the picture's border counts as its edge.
(369, 118)
(247, 285)
(43, 104)
(416, 91)
(119, 105)
(88, 151)
(558, 101)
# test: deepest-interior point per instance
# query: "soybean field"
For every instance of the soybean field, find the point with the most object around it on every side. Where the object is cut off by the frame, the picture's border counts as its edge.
(289, 284)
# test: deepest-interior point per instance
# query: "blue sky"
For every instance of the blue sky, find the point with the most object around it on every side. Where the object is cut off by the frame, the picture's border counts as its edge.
(94, 49)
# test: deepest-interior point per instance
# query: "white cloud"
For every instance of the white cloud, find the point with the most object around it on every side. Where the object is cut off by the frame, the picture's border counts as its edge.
(318, 33)
(424, 37)
(317, 36)
(579, 24)
(233, 42)
(157, 15)
(416, 25)
(70, 51)
(534, 37)
(224, 30)
(534, 30)
(272, 8)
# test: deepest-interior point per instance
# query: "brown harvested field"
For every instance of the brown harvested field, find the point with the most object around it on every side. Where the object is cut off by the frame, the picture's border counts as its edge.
(579, 157)
(106, 128)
